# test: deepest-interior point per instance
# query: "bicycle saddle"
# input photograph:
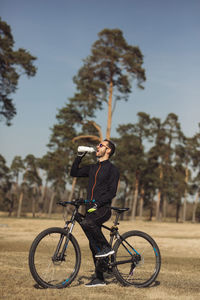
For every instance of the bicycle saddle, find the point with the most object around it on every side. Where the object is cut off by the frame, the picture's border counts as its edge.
(120, 210)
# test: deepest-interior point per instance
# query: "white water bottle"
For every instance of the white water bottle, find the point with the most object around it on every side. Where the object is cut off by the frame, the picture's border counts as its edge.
(86, 149)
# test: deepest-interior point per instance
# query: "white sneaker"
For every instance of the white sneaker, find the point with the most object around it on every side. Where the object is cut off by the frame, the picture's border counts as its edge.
(105, 252)
(95, 282)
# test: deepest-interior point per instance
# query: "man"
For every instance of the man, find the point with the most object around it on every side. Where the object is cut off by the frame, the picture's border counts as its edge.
(102, 187)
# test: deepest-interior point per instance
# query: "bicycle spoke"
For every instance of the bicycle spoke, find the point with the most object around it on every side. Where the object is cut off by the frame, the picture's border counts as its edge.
(48, 266)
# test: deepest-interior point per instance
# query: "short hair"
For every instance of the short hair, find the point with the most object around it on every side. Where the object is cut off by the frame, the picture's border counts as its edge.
(111, 146)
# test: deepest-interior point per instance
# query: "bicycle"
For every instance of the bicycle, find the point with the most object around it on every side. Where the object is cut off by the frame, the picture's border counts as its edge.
(55, 256)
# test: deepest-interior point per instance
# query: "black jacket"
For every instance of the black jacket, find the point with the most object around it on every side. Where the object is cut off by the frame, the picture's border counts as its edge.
(103, 180)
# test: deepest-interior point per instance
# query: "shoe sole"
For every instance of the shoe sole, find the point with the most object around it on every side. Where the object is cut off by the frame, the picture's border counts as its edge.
(104, 255)
(99, 284)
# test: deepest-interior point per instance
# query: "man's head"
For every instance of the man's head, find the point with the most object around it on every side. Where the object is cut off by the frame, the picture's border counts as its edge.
(111, 147)
(105, 150)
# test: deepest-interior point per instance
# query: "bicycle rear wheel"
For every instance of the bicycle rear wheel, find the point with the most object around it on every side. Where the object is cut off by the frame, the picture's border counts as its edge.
(137, 259)
(48, 266)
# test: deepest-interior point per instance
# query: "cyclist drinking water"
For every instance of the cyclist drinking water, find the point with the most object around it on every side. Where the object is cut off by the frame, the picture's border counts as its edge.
(102, 187)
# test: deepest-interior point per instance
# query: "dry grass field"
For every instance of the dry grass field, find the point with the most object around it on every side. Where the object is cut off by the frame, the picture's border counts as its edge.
(179, 277)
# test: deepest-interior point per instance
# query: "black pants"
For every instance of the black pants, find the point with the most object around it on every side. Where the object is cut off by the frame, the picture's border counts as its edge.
(91, 225)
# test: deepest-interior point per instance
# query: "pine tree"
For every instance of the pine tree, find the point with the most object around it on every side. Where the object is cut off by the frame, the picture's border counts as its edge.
(107, 74)
(13, 63)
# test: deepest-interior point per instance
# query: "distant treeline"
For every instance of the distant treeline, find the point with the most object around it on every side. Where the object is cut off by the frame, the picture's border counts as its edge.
(158, 164)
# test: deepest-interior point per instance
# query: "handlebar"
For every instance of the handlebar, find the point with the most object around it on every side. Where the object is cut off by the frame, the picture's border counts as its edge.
(79, 202)
(76, 202)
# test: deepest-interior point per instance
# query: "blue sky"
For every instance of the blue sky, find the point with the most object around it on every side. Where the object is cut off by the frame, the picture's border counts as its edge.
(60, 34)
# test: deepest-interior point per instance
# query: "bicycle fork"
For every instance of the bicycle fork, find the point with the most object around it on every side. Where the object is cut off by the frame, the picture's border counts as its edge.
(60, 256)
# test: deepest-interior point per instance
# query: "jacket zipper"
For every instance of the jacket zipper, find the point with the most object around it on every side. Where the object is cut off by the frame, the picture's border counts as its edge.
(95, 181)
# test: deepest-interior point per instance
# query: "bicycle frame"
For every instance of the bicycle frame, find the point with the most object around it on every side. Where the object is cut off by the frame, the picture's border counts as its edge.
(113, 233)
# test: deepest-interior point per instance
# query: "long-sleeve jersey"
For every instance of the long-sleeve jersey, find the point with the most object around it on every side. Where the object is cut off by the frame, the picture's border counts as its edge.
(103, 180)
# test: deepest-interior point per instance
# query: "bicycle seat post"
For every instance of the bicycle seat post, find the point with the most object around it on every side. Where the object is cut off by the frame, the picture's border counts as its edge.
(116, 219)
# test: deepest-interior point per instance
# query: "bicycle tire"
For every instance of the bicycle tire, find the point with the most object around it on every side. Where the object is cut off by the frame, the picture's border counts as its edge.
(142, 272)
(47, 272)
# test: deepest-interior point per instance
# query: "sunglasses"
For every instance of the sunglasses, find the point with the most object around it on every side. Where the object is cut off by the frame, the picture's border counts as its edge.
(101, 145)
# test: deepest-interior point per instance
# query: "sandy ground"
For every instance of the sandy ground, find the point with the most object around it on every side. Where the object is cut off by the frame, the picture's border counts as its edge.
(179, 277)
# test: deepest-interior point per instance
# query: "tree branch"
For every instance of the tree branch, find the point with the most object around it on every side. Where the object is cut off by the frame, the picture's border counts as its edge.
(90, 137)
(98, 129)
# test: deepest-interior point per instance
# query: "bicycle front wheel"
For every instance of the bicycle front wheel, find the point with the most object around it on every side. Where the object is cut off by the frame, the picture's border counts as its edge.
(54, 258)
(137, 259)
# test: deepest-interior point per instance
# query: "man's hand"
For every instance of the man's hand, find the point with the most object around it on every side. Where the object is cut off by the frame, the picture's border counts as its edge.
(81, 154)
(92, 209)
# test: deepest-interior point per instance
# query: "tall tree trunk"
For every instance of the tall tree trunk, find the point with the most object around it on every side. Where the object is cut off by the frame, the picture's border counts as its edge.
(185, 197)
(71, 196)
(124, 200)
(33, 206)
(12, 196)
(43, 191)
(195, 208)
(65, 211)
(82, 208)
(19, 210)
(51, 204)
(73, 188)
(11, 204)
(109, 121)
(135, 198)
(114, 202)
(151, 209)
(141, 203)
(159, 197)
(46, 199)
(164, 208)
(34, 201)
(158, 206)
(178, 206)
